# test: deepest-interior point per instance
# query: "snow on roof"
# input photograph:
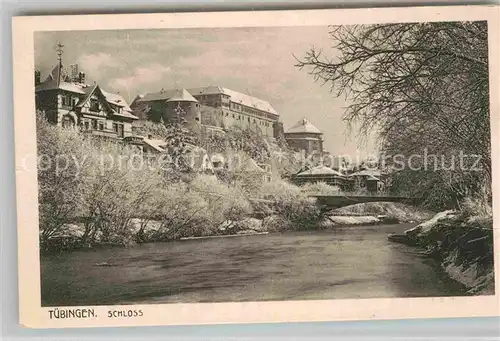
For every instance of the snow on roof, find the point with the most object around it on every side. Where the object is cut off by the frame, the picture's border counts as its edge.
(57, 80)
(67, 86)
(367, 172)
(170, 94)
(181, 95)
(158, 145)
(303, 126)
(243, 163)
(236, 97)
(320, 170)
(115, 99)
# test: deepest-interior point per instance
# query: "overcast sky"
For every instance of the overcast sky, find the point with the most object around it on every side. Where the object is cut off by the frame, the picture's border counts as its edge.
(257, 61)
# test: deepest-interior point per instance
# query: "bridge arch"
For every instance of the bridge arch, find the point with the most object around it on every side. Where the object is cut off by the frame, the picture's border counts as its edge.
(338, 201)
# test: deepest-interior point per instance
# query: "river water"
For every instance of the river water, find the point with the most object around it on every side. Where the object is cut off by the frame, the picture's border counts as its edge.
(350, 262)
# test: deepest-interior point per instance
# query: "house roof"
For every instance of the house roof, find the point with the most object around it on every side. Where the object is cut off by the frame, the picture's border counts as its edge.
(169, 95)
(57, 79)
(367, 172)
(243, 163)
(125, 114)
(67, 86)
(110, 98)
(181, 95)
(303, 126)
(115, 99)
(320, 170)
(88, 92)
(236, 97)
(156, 144)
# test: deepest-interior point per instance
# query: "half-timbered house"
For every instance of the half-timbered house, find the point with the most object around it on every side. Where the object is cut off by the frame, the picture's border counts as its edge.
(68, 101)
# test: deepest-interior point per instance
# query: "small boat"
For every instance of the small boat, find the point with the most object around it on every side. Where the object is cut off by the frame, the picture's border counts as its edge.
(103, 264)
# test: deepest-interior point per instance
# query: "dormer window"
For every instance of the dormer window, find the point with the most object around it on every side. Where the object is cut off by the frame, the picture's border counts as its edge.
(94, 105)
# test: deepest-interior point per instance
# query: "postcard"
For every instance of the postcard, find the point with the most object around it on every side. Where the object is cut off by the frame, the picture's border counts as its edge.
(257, 167)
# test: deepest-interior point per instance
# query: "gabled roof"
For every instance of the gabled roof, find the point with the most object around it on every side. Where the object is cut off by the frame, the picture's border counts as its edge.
(320, 170)
(236, 97)
(181, 95)
(367, 172)
(115, 99)
(118, 100)
(245, 164)
(109, 99)
(303, 126)
(57, 80)
(88, 92)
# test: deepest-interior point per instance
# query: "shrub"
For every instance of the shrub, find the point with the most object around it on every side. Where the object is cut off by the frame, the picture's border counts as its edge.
(320, 188)
(476, 207)
(289, 202)
(61, 168)
(225, 202)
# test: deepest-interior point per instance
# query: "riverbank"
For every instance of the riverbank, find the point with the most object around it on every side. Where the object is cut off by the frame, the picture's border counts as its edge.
(463, 244)
(141, 231)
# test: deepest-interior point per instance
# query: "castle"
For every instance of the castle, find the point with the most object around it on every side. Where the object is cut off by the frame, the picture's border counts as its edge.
(211, 107)
(67, 100)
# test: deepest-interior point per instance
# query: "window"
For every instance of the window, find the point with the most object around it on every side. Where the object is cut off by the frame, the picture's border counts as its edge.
(74, 100)
(94, 124)
(66, 100)
(115, 127)
(87, 125)
(118, 109)
(120, 130)
(101, 125)
(94, 105)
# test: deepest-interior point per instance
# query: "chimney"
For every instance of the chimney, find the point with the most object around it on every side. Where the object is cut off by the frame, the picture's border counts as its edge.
(37, 77)
(75, 76)
(81, 77)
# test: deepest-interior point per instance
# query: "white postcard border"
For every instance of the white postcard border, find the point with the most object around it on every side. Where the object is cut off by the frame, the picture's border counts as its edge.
(34, 316)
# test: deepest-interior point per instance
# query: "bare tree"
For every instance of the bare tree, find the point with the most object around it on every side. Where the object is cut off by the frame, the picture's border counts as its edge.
(421, 86)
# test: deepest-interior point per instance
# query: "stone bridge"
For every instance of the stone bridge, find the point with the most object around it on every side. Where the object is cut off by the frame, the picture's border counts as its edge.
(337, 201)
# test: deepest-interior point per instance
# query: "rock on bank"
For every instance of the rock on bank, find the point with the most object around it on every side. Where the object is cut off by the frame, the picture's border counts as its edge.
(463, 244)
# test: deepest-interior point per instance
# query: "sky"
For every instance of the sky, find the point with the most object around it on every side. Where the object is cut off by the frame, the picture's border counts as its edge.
(257, 61)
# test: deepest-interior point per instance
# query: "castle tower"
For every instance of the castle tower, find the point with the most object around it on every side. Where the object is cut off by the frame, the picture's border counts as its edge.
(304, 136)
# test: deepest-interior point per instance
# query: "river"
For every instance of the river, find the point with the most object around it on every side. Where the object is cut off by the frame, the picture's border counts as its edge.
(350, 262)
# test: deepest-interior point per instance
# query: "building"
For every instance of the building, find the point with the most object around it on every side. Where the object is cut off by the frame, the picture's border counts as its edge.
(304, 136)
(69, 102)
(369, 180)
(211, 106)
(174, 105)
(320, 173)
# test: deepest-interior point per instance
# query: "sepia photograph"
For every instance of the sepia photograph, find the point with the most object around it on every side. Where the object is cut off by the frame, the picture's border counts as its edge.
(261, 164)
